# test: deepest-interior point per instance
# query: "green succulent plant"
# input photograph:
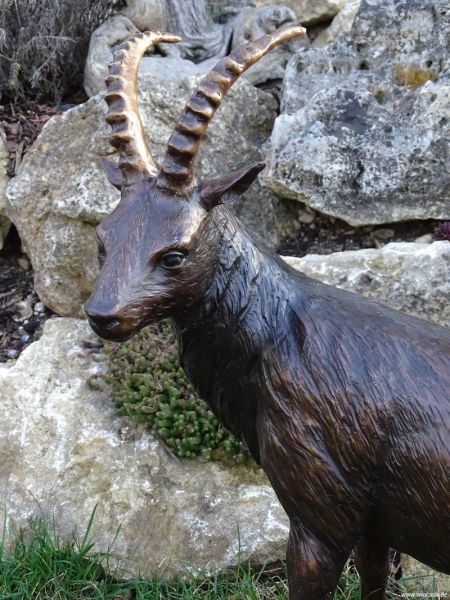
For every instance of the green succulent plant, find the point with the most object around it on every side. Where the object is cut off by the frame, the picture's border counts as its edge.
(149, 385)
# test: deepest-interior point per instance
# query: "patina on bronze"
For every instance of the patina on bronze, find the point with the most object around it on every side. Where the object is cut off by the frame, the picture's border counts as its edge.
(344, 402)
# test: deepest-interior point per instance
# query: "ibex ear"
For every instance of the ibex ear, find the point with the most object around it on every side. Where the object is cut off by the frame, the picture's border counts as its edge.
(112, 172)
(227, 188)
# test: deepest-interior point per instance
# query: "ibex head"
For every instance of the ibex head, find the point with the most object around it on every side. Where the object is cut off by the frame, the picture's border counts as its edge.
(155, 250)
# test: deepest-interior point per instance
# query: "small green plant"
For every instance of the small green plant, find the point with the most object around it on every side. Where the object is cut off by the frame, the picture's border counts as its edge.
(149, 385)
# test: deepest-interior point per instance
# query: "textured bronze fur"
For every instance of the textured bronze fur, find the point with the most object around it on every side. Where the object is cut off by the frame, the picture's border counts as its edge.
(345, 403)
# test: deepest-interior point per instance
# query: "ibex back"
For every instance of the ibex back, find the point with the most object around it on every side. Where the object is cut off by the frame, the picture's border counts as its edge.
(344, 402)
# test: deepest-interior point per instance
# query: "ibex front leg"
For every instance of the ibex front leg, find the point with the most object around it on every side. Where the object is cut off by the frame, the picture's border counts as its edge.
(313, 568)
(372, 562)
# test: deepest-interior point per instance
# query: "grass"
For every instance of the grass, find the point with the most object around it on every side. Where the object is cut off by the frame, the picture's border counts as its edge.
(38, 565)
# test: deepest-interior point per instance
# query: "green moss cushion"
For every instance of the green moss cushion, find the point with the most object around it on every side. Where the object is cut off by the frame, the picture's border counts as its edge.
(149, 385)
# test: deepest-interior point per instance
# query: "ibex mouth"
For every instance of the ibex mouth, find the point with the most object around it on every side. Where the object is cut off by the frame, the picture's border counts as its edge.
(109, 327)
(114, 332)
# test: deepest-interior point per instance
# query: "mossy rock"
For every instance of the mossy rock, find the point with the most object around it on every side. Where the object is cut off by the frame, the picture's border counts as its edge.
(149, 385)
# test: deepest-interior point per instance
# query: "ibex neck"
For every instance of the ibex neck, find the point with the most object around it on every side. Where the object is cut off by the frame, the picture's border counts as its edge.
(235, 289)
(222, 342)
(238, 273)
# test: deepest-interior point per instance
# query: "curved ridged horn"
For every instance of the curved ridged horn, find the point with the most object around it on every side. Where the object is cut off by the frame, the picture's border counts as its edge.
(177, 172)
(123, 113)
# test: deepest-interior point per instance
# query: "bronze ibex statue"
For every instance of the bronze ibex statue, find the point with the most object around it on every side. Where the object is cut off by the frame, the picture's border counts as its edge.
(344, 402)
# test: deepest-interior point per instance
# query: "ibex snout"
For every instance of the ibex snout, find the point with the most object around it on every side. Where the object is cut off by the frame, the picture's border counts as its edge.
(108, 323)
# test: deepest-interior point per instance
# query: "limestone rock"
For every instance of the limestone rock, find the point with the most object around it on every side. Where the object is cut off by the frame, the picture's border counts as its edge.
(146, 15)
(111, 33)
(411, 277)
(316, 11)
(201, 38)
(340, 25)
(249, 24)
(60, 193)
(310, 12)
(253, 22)
(4, 221)
(63, 450)
(365, 126)
(423, 580)
(172, 66)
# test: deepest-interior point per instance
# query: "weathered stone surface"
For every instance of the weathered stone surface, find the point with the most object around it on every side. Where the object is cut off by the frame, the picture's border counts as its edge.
(310, 12)
(5, 223)
(171, 66)
(111, 33)
(316, 11)
(253, 22)
(201, 38)
(424, 581)
(63, 451)
(340, 25)
(147, 15)
(365, 129)
(411, 277)
(60, 193)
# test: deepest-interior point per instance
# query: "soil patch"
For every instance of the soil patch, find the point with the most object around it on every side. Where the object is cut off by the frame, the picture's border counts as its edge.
(21, 312)
(20, 125)
(325, 235)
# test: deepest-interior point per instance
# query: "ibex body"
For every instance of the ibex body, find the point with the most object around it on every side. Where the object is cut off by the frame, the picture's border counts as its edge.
(345, 403)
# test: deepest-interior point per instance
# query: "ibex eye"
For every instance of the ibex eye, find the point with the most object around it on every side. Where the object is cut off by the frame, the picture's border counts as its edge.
(172, 259)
